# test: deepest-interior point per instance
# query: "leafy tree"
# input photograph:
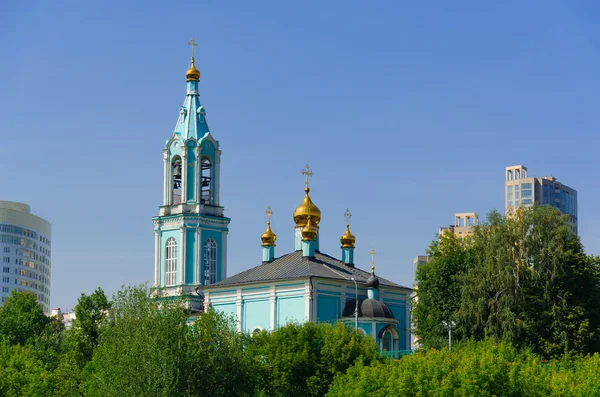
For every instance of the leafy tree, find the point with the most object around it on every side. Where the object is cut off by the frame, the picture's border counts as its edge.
(438, 294)
(21, 373)
(523, 278)
(90, 312)
(21, 318)
(301, 360)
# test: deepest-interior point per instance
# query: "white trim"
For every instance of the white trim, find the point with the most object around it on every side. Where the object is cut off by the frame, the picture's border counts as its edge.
(197, 262)
(307, 300)
(182, 261)
(156, 259)
(238, 303)
(272, 301)
(184, 167)
(167, 179)
(223, 256)
(198, 174)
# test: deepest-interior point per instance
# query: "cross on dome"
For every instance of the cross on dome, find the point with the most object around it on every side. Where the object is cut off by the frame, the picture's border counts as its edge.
(373, 253)
(307, 173)
(348, 215)
(193, 44)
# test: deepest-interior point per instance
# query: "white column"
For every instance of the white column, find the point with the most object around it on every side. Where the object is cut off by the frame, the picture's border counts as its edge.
(156, 259)
(238, 303)
(167, 180)
(182, 261)
(342, 300)
(197, 263)
(184, 172)
(217, 177)
(198, 174)
(307, 300)
(272, 308)
(224, 256)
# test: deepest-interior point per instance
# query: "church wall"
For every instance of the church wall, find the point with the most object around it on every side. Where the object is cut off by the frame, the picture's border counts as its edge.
(256, 313)
(290, 309)
(328, 308)
(190, 255)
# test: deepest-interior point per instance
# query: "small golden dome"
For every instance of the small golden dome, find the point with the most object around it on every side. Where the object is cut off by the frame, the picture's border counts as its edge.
(305, 210)
(347, 238)
(309, 232)
(192, 73)
(268, 237)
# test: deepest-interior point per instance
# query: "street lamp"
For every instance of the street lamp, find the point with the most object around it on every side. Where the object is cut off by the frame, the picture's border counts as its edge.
(356, 306)
(449, 325)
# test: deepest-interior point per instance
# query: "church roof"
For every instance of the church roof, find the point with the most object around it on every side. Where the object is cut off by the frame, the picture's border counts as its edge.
(295, 266)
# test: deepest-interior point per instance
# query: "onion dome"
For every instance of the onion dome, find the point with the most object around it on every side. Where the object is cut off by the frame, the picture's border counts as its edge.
(305, 210)
(268, 237)
(309, 232)
(372, 281)
(368, 308)
(347, 238)
(192, 73)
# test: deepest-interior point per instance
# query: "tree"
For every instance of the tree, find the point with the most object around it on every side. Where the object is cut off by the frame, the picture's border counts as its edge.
(438, 291)
(21, 318)
(302, 360)
(90, 312)
(21, 374)
(523, 278)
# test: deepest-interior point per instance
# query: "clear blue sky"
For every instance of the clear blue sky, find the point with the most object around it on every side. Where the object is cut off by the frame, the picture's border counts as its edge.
(406, 111)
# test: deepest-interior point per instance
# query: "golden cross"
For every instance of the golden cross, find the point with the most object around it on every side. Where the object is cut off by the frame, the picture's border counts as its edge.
(193, 44)
(269, 213)
(307, 173)
(372, 252)
(348, 215)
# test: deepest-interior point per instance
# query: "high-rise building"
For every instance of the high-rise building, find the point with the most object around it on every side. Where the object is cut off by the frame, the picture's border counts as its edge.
(25, 248)
(522, 190)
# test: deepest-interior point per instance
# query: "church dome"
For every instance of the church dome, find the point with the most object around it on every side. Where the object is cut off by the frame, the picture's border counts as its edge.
(347, 238)
(307, 209)
(268, 237)
(192, 73)
(309, 232)
(368, 308)
(372, 281)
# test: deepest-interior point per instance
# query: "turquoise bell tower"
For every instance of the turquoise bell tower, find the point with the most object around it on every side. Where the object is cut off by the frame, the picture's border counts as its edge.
(190, 232)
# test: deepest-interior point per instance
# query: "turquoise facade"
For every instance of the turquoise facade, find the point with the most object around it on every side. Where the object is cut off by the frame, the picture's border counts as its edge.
(272, 305)
(190, 230)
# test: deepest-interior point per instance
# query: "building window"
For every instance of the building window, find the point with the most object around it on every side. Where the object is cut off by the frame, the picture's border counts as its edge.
(6, 279)
(176, 180)
(4, 289)
(210, 262)
(6, 269)
(7, 250)
(206, 182)
(171, 262)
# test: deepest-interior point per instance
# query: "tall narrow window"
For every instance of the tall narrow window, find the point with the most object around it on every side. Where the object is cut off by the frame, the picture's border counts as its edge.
(176, 180)
(206, 182)
(171, 262)
(210, 262)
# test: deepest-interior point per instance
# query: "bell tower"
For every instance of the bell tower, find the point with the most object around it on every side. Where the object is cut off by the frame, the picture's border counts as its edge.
(190, 232)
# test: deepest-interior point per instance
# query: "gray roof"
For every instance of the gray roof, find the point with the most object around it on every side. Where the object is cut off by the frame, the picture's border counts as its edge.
(295, 266)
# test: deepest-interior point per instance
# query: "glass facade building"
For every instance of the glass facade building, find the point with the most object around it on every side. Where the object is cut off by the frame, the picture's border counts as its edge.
(25, 247)
(523, 190)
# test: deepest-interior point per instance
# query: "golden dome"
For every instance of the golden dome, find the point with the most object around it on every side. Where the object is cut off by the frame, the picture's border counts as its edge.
(347, 238)
(309, 232)
(268, 237)
(305, 210)
(192, 73)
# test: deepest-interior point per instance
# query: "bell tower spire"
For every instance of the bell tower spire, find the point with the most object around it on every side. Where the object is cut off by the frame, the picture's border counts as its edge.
(190, 230)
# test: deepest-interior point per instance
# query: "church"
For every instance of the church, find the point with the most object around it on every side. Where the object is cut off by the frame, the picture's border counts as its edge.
(301, 286)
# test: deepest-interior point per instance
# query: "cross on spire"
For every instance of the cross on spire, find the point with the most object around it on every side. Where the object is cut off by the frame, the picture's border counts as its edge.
(269, 213)
(348, 215)
(193, 44)
(373, 253)
(307, 173)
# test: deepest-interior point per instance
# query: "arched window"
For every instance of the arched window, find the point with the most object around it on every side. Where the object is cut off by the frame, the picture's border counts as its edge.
(210, 262)
(206, 182)
(171, 262)
(176, 180)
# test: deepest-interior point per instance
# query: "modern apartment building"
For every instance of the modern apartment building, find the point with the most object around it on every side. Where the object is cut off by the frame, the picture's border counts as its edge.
(25, 247)
(521, 189)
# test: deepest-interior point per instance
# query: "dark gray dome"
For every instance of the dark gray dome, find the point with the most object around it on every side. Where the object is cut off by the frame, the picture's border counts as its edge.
(372, 281)
(367, 308)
